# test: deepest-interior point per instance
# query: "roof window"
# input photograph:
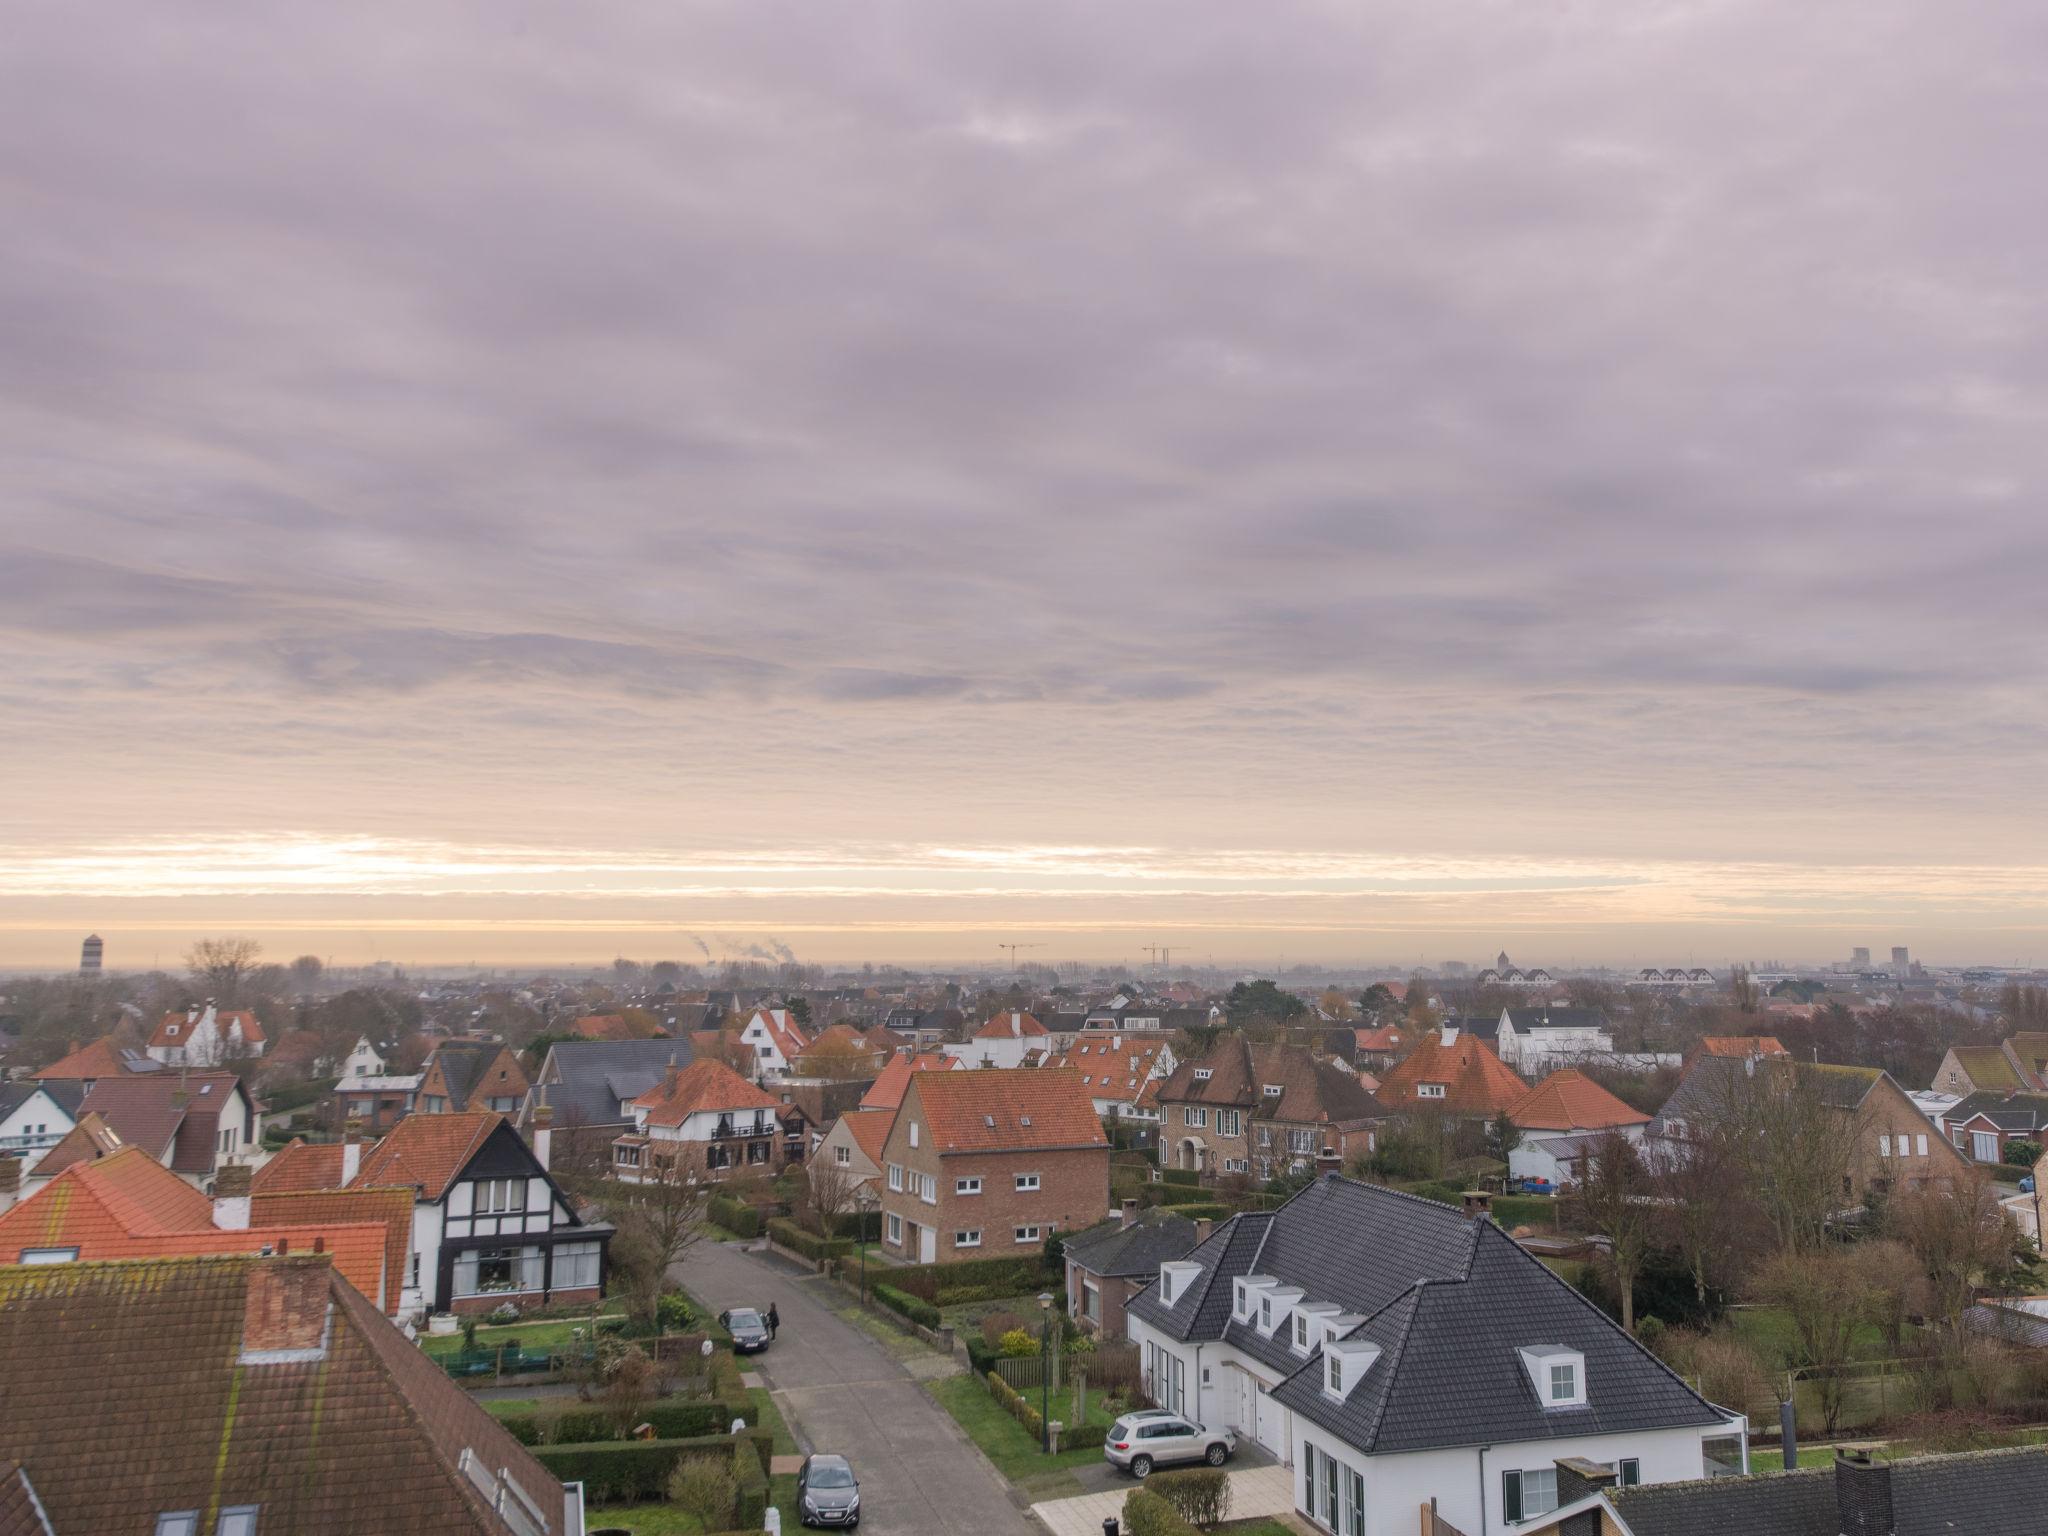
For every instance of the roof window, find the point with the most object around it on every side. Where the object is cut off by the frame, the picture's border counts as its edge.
(1558, 1373)
(1272, 1090)
(1201, 1074)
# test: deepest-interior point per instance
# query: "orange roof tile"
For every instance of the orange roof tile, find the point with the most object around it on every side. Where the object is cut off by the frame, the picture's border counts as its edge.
(98, 1058)
(301, 1164)
(1475, 1081)
(870, 1131)
(703, 1085)
(176, 1028)
(1010, 1024)
(1571, 1101)
(427, 1151)
(389, 1208)
(1743, 1045)
(997, 1109)
(887, 1090)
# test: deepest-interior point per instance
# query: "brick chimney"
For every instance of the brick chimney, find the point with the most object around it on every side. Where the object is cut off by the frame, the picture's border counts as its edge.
(231, 1197)
(1863, 1494)
(1202, 1226)
(543, 1135)
(1478, 1202)
(1129, 1211)
(284, 1313)
(10, 1182)
(351, 1150)
(1578, 1478)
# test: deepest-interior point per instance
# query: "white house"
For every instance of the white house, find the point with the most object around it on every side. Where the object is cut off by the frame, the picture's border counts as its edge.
(1396, 1352)
(34, 1116)
(1114, 1070)
(776, 1041)
(1004, 1041)
(362, 1061)
(206, 1037)
(1535, 1040)
(703, 1121)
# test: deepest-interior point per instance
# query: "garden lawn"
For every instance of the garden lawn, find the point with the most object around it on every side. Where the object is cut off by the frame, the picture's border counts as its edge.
(547, 1335)
(1258, 1527)
(1003, 1440)
(770, 1418)
(1769, 1331)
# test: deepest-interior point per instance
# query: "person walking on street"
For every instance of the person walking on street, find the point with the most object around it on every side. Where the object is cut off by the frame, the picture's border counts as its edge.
(774, 1320)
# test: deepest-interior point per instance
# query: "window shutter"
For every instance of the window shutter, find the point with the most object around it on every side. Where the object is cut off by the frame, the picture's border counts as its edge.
(1511, 1496)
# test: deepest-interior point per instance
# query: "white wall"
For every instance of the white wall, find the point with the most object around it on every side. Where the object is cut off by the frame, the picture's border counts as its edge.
(18, 1131)
(426, 1244)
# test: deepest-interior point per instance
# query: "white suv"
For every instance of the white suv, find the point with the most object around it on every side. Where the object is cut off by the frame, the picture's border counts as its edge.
(1155, 1437)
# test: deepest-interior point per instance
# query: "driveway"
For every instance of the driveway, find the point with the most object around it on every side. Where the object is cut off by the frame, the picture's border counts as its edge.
(919, 1473)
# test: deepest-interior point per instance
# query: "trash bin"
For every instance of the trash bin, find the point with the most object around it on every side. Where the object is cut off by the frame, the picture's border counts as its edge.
(1109, 1527)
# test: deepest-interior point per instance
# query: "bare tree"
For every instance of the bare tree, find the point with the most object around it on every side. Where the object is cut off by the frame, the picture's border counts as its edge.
(1794, 1141)
(1897, 1291)
(1742, 990)
(656, 1223)
(220, 966)
(1826, 1295)
(1961, 1238)
(828, 1194)
(1616, 1198)
(1702, 1215)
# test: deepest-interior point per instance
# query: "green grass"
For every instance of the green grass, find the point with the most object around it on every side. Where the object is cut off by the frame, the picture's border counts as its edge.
(548, 1335)
(1003, 1440)
(1259, 1527)
(1769, 1331)
(512, 1407)
(771, 1419)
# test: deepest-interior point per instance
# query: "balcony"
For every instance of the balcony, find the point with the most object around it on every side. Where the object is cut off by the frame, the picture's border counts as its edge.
(726, 1130)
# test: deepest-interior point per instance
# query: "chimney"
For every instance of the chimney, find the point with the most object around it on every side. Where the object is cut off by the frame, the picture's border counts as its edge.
(231, 1198)
(1202, 1226)
(543, 1135)
(10, 1182)
(1450, 1034)
(1478, 1202)
(1578, 1478)
(1130, 1212)
(1863, 1494)
(284, 1312)
(351, 1150)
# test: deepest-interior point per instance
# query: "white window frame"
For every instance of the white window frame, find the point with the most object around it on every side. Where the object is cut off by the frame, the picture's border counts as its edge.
(1920, 1145)
(969, 1237)
(843, 1156)
(913, 1133)
(1430, 1090)
(895, 1229)
(1884, 1145)
(967, 1186)
(1033, 1233)
(896, 1177)
(1027, 1183)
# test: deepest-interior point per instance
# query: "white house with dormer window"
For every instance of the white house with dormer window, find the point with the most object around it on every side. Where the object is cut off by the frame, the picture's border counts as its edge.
(1394, 1351)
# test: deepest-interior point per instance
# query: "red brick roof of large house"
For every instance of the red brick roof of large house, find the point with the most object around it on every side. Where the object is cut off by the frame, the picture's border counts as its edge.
(1000, 1109)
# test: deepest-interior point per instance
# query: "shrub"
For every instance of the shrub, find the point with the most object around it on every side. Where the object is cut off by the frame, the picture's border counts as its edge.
(1180, 1176)
(2022, 1153)
(813, 1247)
(1199, 1495)
(1007, 1277)
(1148, 1514)
(616, 1471)
(581, 1424)
(1183, 1194)
(1206, 1210)
(1083, 1437)
(673, 1313)
(996, 1324)
(1525, 1210)
(736, 1217)
(1016, 1344)
(916, 1309)
(705, 1487)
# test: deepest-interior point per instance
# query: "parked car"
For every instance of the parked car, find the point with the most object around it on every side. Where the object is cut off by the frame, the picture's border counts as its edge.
(827, 1492)
(1138, 1442)
(748, 1328)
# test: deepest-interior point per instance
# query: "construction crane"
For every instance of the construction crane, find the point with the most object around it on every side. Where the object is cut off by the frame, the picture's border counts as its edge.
(1162, 956)
(1013, 948)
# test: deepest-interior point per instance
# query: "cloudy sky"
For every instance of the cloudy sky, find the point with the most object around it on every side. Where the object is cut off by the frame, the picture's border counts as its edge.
(1375, 481)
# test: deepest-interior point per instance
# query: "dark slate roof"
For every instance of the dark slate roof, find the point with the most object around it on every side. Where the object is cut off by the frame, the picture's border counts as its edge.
(1786, 1504)
(66, 1095)
(2010, 1112)
(1541, 1018)
(1450, 1300)
(1978, 1491)
(1139, 1249)
(596, 1074)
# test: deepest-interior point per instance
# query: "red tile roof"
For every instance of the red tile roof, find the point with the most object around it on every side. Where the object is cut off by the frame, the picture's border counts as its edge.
(1475, 1080)
(1743, 1045)
(301, 1164)
(99, 1058)
(782, 1029)
(613, 1026)
(388, 1208)
(1011, 1024)
(1571, 1101)
(704, 1085)
(1390, 1038)
(998, 1109)
(427, 1151)
(176, 1028)
(167, 1384)
(169, 1112)
(91, 1137)
(888, 1089)
(1112, 1066)
(870, 1131)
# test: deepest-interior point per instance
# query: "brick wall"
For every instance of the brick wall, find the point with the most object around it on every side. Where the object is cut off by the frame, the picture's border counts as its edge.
(1072, 1193)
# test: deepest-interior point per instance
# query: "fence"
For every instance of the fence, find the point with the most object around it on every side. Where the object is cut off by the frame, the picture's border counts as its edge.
(1108, 1368)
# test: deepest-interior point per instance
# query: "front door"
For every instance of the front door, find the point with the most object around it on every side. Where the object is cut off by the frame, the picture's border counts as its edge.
(1271, 1432)
(927, 1245)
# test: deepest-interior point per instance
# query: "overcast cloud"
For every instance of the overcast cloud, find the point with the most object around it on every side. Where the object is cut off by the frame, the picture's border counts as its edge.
(1605, 434)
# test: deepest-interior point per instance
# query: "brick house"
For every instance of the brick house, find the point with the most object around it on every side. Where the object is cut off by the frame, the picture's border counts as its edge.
(703, 1121)
(1258, 1110)
(463, 1075)
(1110, 1263)
(985, 1163)
(1453, 1073)
(2018, 1064)
(1984, 1124)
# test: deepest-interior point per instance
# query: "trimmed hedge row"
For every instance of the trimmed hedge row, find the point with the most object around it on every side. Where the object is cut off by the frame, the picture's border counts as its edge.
(1205, 1211)
(809, 1244)
(631, 1471)
(1184, 1194)
(916, 1308)
(1524, 1210)
(580, 1424)
(1180, 1175)
(1199, 1495)
(1014, 1404)
(1014, 1276)
(736, 1216)
(1148, 1514)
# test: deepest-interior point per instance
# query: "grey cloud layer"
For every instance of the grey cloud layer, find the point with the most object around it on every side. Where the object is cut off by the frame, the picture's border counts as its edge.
(1469, 420)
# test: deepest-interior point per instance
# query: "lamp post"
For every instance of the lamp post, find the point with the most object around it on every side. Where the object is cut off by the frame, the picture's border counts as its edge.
(1045, 1371)
(865, 1200)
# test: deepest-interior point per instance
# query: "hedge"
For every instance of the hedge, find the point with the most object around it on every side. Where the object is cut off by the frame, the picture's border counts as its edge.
(1083, 1437)
(1148, 1514)
(580, 1424)
(855, 1225)
(1199, 1495)
(1014, 1276)
(1180, 1176)
(915, 1308)
(1184, 1194)
(1430, 1189)
(736, 1216)
(1524, 1210)
(631, 1471)
(1205, 1212)
(813, 1247)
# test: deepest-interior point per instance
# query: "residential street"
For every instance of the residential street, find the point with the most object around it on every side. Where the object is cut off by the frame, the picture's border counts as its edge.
(840, 1391)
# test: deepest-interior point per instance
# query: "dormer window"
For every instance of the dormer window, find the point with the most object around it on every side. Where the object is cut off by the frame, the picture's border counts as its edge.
(1201, 1074)
(1345, 1365)
(1429, 1090)
(1174, 1278)
(1309, 1321)
(1558, 1373)
(1275, 1306)
(1272, 1090)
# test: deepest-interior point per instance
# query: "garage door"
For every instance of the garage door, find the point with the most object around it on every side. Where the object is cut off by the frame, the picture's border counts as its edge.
(1272, 1428)
(927, 1245)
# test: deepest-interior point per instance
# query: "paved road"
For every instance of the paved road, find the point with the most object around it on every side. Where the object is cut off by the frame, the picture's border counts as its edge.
(919, 1474)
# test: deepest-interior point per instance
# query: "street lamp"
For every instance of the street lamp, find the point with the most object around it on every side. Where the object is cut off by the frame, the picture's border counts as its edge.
(866, 1200)
(1045, 1371)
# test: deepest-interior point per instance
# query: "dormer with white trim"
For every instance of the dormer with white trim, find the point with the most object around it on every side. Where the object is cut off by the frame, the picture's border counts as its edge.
(1275, 1302)
(1558, 1373)
(1337, 1324)
(1305, 1331)
(1346, 1362)
(1174, 1280)
(1244, 1305)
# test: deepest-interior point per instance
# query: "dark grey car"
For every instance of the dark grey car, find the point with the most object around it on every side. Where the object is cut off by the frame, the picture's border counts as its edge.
(827, 1492)
(748, 1328)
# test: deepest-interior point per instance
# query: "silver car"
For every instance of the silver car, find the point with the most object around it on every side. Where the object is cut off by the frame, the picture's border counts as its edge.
(1156, 1437)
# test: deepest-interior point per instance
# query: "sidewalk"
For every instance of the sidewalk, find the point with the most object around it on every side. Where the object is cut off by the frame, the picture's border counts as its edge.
(1254, 1492)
